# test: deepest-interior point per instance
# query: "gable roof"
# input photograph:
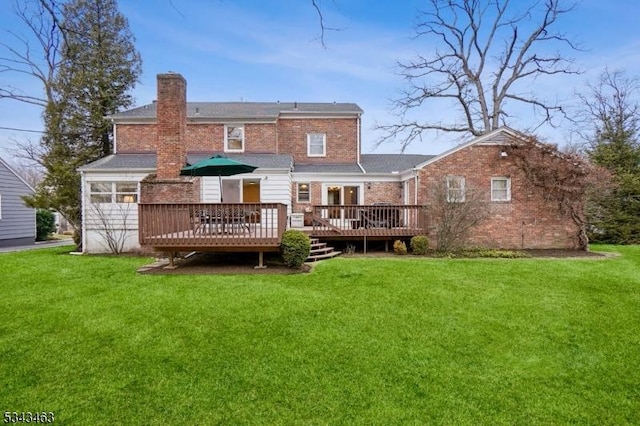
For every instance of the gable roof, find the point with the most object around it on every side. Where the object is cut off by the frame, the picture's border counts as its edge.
(243, 110)
(13, 172)
(499, 136)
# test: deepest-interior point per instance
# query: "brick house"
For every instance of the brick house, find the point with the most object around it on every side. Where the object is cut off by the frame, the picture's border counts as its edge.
(311, 175)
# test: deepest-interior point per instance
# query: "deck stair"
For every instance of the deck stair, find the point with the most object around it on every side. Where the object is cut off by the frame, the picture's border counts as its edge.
(320, 251)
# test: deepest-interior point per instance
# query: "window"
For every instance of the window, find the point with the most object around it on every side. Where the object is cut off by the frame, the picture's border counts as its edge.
(234, 138)
(126, 192)
(500, 189)
(100, 192)
(316, 144)
(304, 195)
(455, 189)
(108, 192)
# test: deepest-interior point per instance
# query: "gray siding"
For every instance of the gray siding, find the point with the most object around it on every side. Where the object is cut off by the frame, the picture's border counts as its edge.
(17, 221)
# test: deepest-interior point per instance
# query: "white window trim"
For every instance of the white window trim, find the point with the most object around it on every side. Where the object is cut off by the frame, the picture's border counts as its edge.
(462, 189)
(226, 141)
(324, 145)
(298, 192)
(114, 193)
(508, 197)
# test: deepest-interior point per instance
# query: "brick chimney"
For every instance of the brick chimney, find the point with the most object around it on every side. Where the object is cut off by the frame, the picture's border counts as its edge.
(171, 125)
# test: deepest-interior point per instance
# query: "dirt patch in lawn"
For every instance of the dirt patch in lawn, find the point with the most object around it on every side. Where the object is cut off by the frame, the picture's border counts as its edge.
(245, 263)
(223, 264)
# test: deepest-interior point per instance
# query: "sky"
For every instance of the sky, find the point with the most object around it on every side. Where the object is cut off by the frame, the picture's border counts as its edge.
(269, 50)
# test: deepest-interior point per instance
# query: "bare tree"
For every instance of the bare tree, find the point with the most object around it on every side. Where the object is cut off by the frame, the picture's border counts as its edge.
(29, 172)
(35, 54)
(487, 54)
(455, 211)
(111, 222)
(610, 109)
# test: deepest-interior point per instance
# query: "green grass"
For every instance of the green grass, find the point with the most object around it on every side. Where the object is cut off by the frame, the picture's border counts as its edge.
(357, 341)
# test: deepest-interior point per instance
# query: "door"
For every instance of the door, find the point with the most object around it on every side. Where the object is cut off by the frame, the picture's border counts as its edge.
(345, 198)
(241, 190)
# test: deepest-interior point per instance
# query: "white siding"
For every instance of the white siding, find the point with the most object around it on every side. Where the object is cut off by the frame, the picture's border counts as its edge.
(118, 219)
(274, 188)
(210, 189)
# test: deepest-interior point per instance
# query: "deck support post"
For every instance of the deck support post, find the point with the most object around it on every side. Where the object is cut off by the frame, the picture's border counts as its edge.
(365, 244)
(172, 265)
(260, 261)
(386, 245)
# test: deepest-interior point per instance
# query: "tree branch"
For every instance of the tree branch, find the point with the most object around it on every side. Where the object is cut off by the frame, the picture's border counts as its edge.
(470, 36)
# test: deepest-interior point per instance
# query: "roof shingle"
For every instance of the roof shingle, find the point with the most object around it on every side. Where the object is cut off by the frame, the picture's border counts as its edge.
(243, 110)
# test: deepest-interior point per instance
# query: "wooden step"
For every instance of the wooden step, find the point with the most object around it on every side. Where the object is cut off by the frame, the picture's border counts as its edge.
(328, 255)
(321, 250)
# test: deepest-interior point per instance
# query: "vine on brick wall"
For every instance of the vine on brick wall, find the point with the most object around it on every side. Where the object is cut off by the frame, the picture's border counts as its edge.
(563, 179)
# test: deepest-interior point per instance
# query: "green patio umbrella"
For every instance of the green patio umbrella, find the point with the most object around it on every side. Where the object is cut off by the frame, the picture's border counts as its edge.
(218, 165)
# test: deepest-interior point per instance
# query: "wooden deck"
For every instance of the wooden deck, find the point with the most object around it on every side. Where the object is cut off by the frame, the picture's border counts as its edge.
(258, 227)
(367, 221)
(212, 227)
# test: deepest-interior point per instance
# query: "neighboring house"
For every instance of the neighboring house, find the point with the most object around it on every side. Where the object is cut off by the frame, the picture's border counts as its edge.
(17, 221)
(311, 175)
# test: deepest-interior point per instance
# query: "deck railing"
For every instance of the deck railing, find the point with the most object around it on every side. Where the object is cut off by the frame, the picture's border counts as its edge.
(212, 225)
(369, 220)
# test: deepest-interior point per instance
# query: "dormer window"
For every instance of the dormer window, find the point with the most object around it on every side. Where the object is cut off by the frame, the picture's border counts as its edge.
(234, 138)
(316, 144)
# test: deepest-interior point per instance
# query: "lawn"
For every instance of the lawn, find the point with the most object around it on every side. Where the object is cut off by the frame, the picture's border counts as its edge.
(356, 341)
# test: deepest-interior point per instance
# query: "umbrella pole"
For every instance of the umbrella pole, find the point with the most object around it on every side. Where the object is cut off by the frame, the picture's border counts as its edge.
(220, 184)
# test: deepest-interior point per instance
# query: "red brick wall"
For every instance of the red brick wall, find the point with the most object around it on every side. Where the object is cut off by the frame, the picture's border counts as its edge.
(524, 222)
(260, 137)
(186, 189)
(383, 192)
(341, 139)
(204, 137)
(136, 138)
(210, 137)
(199, 137)
(171, 127)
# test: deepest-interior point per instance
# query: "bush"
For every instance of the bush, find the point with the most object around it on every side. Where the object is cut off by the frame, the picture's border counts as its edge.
(45, 224)
(295, 248)
(399, 247)
(419, 244)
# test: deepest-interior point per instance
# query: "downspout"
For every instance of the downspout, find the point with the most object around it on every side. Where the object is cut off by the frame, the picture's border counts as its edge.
(415, 186)
(358, 138)
(277, 139)
(115, 137)
(83, 203)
